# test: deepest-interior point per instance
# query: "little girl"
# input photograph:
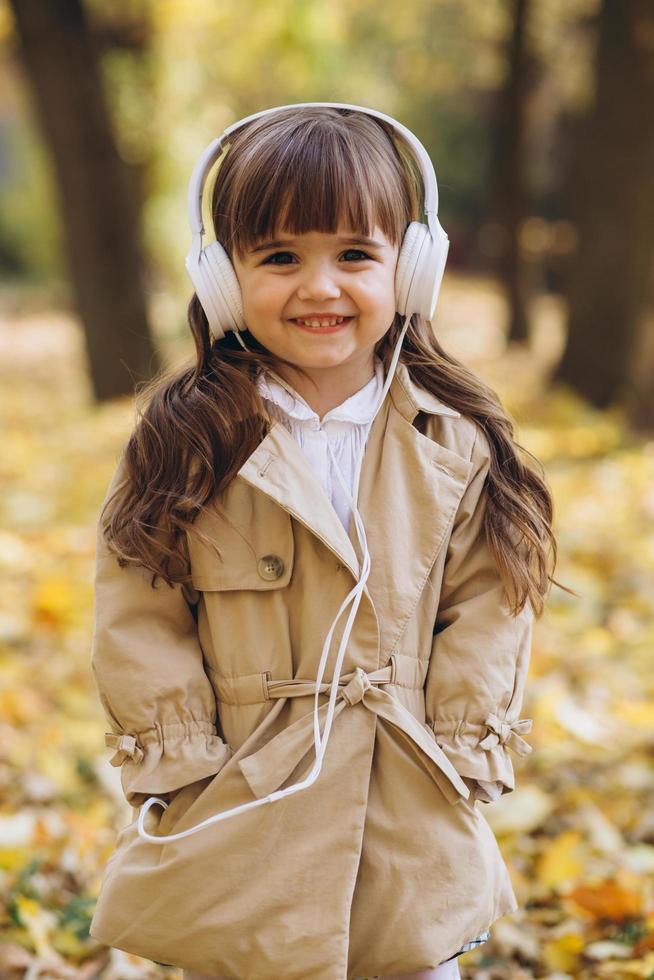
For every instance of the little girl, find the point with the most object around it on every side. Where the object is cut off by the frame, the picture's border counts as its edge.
(322, 421)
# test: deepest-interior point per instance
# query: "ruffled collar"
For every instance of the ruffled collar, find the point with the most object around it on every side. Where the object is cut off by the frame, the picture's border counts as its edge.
(359, 407)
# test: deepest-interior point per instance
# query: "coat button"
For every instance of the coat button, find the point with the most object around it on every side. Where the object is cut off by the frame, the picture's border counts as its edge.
(270, 567)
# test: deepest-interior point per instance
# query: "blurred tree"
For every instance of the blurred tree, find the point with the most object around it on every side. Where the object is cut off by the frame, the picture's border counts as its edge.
(508, 191)
(611, 199)
(100, 201)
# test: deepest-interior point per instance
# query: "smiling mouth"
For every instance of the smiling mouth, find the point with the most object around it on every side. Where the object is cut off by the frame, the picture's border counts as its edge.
(322, 325)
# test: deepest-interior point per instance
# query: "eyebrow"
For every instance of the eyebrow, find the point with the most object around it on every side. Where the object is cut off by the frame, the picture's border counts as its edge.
(370, 242)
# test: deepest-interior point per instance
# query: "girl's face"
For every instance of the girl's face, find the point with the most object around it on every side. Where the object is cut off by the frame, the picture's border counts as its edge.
(325, 276)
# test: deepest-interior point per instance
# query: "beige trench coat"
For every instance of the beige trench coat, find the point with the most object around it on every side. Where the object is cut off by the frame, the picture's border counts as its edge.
(386, 863)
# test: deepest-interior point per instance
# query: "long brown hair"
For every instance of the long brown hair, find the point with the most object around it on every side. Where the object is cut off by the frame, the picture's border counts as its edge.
(302, 170)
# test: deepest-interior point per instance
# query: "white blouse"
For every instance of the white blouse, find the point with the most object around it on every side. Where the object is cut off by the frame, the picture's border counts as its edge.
(347, 427)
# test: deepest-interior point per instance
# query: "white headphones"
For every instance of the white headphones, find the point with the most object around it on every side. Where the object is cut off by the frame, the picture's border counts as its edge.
(418, 276)
(420, 264)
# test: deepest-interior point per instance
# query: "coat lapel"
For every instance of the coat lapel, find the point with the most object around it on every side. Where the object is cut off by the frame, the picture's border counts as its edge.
(409, 494)
(279, 468)
(410, 488)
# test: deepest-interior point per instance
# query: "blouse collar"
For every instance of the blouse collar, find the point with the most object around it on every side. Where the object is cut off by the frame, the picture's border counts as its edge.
(359, 407)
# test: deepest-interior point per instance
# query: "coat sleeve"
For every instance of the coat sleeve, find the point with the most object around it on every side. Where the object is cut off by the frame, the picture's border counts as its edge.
(480, 653)
(148, 668)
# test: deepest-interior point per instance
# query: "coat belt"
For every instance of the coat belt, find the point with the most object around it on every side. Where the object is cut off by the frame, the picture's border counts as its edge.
(271, 765)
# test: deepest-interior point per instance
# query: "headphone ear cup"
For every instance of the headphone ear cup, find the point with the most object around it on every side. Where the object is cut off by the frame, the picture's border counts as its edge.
(419, 270)
(224, 287)
(407, 262)
(218, 290)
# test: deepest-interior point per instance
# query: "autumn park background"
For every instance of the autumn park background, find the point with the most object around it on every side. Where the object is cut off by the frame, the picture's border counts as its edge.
(539, 117)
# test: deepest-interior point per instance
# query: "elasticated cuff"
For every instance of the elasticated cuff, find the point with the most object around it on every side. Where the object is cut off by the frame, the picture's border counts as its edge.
(480, 751)
(165, 758)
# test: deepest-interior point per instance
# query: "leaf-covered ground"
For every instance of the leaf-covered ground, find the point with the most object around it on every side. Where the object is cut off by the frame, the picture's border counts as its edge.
(577, 833)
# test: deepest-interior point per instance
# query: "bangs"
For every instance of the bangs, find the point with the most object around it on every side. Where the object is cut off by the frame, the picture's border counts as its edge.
(314, 174)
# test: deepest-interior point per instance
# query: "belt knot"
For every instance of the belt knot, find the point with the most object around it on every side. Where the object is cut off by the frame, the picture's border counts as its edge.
(355, 688)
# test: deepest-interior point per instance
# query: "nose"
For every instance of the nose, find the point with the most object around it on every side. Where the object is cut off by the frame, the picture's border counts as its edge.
(318, 282)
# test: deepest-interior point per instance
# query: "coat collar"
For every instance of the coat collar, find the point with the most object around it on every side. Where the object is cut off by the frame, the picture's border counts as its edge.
(409, 398)
(413, 474)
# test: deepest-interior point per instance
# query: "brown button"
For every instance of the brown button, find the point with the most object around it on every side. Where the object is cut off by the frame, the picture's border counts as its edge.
(270, 567)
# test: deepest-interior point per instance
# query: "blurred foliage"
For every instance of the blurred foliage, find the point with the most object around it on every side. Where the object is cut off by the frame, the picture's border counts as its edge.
(177, 73)
(577, 833)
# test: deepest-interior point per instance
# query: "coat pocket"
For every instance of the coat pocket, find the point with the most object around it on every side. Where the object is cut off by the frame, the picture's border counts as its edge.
(247, 545)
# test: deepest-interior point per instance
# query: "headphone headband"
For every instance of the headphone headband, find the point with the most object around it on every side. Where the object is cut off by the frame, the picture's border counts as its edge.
(213, 151)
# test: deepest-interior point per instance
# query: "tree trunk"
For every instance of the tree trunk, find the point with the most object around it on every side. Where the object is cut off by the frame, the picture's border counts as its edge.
(100, 202)
(508, 192)
(611, 200)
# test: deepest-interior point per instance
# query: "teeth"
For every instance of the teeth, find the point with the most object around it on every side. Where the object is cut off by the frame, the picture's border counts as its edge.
(322, 323)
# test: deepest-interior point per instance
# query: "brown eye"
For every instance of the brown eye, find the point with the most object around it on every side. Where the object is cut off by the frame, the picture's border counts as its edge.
(357, 251)
(275, 255)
